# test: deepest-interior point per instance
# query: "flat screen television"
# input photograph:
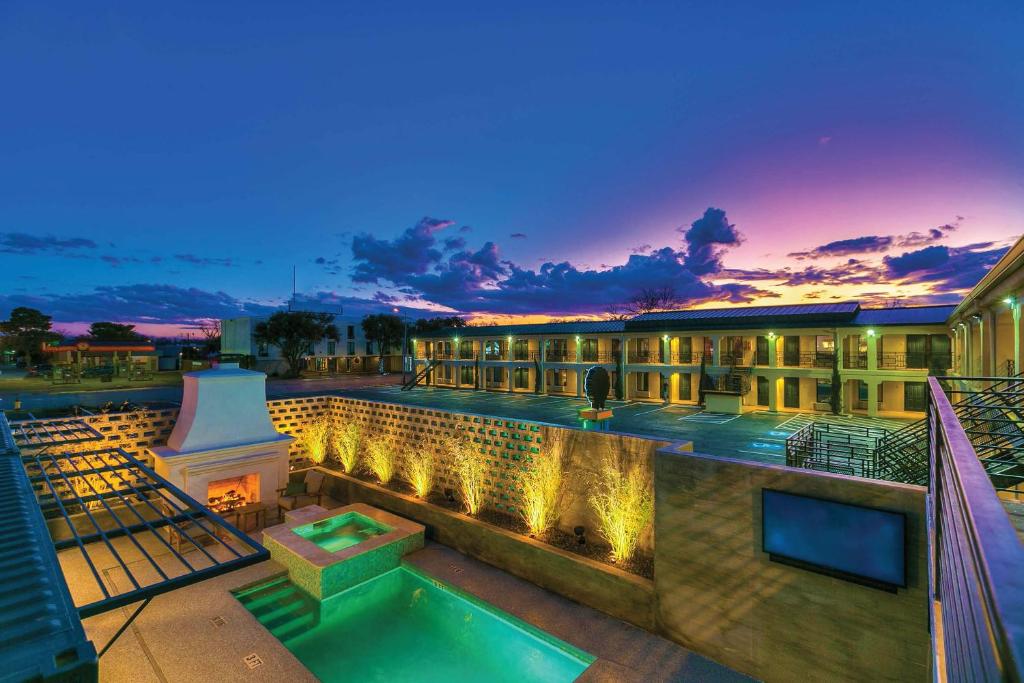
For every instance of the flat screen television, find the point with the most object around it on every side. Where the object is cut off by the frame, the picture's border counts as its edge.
(861, 544)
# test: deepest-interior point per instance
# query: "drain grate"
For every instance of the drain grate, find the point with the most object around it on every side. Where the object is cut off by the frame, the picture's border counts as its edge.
(218, 621)
(252, 661)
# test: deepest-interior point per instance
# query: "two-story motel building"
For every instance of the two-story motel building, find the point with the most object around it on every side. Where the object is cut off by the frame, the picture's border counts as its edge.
(779, 358)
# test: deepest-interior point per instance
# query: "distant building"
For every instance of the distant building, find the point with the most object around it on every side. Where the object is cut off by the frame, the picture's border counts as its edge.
(89, 354)
(776, 358)
(351, 353)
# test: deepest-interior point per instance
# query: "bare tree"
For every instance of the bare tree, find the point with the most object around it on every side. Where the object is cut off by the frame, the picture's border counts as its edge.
(649, 300)
(210, 332)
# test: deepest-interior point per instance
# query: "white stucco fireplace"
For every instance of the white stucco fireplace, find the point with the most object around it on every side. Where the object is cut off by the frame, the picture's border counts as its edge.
(224, 448)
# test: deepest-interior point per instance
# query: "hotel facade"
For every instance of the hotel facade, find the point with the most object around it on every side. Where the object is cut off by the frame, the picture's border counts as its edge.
(776, 358)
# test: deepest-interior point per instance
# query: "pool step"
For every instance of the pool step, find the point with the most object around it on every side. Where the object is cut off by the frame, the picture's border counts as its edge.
(283, 608)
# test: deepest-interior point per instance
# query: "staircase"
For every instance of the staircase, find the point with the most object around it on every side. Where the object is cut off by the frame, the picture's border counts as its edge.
(282, 607)
(992, 417)
(417, 377)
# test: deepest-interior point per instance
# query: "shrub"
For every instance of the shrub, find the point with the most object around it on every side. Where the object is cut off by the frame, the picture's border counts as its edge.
(420, 470)
(382, 456)
(542, 487)
(315, 437)
(470, 470)
(347, 441)
(624, 503)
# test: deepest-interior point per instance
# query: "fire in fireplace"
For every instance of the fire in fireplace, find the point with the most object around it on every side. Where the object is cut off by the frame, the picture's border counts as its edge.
(224, 495)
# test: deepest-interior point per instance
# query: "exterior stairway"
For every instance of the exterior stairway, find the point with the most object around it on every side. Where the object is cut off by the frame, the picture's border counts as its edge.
(417, 377)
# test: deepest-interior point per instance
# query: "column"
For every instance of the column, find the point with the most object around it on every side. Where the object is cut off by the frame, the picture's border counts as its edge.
(988, 342)
(968, 364)
(773, 356)
(666, 352)
(1016, 335)
(580, 374)
(578, 357)
(872, 352)
(774, 384)
(872, 398)
(716, 351)
(620, 384)
(542, 379)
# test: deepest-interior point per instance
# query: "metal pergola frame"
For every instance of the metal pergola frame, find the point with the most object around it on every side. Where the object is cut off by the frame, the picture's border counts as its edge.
(107, 504)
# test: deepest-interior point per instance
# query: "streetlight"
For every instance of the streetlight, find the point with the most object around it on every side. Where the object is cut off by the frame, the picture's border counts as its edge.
(405, 336)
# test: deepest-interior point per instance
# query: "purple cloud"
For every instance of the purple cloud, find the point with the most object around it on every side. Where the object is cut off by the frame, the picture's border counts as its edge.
(706, 239)
(203, 260)
(518, 235)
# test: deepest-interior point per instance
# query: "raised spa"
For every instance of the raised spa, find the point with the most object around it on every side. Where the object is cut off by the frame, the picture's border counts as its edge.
(328, 551)
(340, 532)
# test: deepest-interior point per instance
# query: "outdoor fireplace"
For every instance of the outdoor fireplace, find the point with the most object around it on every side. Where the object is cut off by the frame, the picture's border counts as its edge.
(224, 449)
(225, 495)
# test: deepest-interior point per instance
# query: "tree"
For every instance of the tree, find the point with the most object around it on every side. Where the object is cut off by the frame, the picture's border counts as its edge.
(647, 300)
(26, 331)
(107, 331)
(425, 326)
(293, 332)
(210, 331)
(384, 330)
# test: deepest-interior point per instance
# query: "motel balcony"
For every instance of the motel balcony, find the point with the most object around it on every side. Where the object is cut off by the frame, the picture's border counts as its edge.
(643, 357)
(686, 358)
(813, 359)
(559, 356)
(496, 356)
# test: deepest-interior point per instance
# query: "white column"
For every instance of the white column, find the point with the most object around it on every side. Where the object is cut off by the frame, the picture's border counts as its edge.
(872, 352)
(773, 358)
(716, 350)
(872, 398)
(988, 342)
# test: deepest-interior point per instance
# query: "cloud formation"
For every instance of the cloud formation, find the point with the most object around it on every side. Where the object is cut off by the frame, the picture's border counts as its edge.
(480, 281)
(873, 244)
(23, 243)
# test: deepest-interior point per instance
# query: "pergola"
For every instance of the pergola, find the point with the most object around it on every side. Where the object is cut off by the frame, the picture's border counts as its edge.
(120, 534)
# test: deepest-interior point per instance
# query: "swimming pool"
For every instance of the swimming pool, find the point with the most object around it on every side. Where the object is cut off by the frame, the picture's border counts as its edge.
(404, 625)
(342, 531)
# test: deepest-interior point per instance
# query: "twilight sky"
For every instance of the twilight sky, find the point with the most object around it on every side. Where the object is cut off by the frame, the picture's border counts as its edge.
(167, 163)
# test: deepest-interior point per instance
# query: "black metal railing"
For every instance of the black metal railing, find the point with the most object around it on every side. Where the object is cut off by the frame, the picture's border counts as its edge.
(810, 359)
(557, 356)
(494, 356)
(977, 584)
(855, 361)
(644, 357)
(836, 448)
(592, 357)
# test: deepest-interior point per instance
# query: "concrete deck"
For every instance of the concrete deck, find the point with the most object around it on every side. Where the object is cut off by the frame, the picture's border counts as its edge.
(759, 436)
(201, 633)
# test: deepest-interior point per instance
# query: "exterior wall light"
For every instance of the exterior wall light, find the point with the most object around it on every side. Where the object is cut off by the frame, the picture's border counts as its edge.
(664, 337)
(771, 335)
(871, 333)
(1008, 301)
(577, 337)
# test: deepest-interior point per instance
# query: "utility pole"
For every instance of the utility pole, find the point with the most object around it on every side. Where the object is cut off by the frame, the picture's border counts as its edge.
(405, 339)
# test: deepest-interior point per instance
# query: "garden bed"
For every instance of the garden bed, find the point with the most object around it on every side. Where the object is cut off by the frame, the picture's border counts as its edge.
(560, 564)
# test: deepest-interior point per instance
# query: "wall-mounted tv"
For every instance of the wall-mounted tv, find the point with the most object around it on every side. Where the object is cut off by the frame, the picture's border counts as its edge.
(861, 544)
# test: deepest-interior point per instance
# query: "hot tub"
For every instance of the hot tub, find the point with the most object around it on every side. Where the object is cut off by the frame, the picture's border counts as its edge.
(328, 551)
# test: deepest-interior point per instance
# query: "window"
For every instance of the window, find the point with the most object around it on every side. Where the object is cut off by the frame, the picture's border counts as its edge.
(823, 391)
(763, 387)
(557, 350)
(351, 348)
(791, 392)
(559, 378)
(369, 348)
(642, 382)
(521, 349)
(351, 331)
(332, 347)
(262, 349)
(762, 351)
(915, 397)
(588, 350)
(466, 349)
(494, 349)
(522, 378)
(494, 375)
(466, 375)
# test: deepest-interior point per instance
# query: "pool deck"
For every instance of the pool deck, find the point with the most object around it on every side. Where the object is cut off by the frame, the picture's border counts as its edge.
(202, 633)
(758, 435)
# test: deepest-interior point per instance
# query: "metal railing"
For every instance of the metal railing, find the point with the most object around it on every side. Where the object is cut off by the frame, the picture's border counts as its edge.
(836, 448)
(554, 356)
(643, 357)
(686, 358)
(977, 583)
(811, 359)
(855, 361)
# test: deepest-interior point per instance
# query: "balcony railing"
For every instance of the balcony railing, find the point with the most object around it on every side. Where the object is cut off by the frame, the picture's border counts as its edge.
(900, 360)
(977, 582)
(494, 356)
(855, 361)
(597, 357)
(560, 356)
(643, 357)
(811, 359)
(730, 359)
(686, 358)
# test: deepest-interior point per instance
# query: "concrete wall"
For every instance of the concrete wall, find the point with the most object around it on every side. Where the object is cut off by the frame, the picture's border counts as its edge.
(591, 583)
(719, 594)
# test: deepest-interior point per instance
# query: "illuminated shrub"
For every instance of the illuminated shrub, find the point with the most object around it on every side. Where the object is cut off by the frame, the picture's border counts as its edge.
(315, 438)
(347, 441)
(542, 487)
(382, 456)
(420, 470)
(624, 503)
(469, 468)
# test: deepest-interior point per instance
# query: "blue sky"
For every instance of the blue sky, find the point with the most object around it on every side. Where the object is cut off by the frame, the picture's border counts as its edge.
(173, 162)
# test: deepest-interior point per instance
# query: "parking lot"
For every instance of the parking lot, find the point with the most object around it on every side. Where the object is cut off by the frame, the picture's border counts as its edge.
(759, 436)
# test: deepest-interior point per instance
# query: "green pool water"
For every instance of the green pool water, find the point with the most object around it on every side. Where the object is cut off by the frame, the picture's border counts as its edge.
(406, 626)
(340, 532)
